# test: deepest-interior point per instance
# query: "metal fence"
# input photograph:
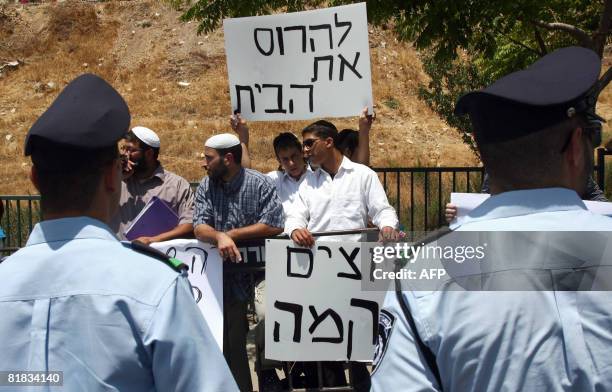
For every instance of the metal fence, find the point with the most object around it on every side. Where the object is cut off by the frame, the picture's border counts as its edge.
(418, 194)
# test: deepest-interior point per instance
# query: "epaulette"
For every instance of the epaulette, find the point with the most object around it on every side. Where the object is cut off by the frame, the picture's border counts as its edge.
(171, 262)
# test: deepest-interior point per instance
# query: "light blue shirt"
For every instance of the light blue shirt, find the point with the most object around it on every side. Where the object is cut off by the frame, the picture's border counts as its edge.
(77, 300)
(504, 340)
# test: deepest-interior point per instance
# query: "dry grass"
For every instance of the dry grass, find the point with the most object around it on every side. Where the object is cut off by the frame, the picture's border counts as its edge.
(145, 63)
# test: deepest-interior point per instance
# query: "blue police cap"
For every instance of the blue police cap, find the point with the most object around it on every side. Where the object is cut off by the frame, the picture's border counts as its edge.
(554, 88)
(88, 114)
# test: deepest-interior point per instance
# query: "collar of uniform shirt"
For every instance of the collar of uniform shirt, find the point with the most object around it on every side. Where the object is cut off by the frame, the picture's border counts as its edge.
(66, 229)
(523, 202)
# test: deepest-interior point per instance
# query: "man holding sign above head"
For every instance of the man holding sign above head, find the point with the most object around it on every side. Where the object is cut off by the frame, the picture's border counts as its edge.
(339, 195)
(234, 204)
(95, 313)
(544, 324)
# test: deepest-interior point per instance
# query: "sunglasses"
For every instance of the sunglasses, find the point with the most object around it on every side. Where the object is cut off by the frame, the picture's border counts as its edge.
(308, 143)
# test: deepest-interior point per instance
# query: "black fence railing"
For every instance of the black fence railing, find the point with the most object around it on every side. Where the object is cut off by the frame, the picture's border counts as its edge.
(418, 194)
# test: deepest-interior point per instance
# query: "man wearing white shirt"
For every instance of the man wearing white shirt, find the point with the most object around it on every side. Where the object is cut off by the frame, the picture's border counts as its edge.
(288, 151)
(339, 195)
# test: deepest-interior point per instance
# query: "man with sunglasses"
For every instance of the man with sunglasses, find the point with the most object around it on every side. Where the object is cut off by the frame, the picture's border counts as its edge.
(339, 195)
(144, 177)
(543, 322)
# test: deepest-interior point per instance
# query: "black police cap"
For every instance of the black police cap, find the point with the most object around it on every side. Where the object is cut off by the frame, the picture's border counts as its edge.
(88, 114)
(554, 88)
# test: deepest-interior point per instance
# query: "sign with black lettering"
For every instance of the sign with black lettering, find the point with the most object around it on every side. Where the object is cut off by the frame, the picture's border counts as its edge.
(206, 278)
(316, 308)
(299, 65)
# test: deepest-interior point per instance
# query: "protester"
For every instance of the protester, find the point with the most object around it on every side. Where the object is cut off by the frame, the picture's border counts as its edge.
(340, 195)
(145, 178)
(234, 204)
(356, 145)
(293, 167)
(109, 315)
(292, 170)
(534, 131)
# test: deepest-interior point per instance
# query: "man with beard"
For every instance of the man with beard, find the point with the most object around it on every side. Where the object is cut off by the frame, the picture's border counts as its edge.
(143, 178)
(234, 204)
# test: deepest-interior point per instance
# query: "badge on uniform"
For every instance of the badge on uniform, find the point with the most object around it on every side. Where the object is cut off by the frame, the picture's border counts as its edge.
(386, 320)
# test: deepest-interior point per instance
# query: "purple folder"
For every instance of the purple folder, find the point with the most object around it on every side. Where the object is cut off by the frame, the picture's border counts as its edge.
(156, 217)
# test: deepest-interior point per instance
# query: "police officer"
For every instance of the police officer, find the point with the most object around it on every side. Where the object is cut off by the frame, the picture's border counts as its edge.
(77, 300)
(535, 130)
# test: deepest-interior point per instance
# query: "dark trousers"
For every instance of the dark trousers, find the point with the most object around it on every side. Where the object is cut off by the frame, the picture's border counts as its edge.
(235, 329)
(332, 375)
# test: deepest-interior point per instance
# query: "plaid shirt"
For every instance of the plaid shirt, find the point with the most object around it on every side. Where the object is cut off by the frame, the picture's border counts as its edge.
(249, 198)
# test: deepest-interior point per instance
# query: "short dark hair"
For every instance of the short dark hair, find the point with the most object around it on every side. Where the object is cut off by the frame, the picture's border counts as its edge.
(68, 177)
(528, 160)
(286, 140)
(236, 152)
(131, 137)
(322, 129)
(348, 138)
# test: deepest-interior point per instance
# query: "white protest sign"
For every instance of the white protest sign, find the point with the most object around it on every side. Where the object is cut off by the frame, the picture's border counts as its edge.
(205, 276)
(466, 202)
(316, 309)
(300, 65)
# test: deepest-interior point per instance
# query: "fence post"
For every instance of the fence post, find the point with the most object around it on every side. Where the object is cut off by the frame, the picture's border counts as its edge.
(601, 168)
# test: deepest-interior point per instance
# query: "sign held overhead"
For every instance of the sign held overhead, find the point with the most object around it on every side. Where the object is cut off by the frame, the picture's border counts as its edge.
(300, 65)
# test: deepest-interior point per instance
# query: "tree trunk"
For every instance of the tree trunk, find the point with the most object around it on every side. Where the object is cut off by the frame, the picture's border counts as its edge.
(602, 33)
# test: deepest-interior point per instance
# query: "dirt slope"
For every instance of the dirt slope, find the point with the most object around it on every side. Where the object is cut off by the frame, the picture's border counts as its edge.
(144, 51)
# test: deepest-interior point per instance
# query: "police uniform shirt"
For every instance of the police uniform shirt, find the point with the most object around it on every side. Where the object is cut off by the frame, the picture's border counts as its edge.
(77, 300)
(503, 340)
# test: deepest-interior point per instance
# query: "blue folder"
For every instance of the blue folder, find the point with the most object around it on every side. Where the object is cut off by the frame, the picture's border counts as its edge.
(155, 218)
